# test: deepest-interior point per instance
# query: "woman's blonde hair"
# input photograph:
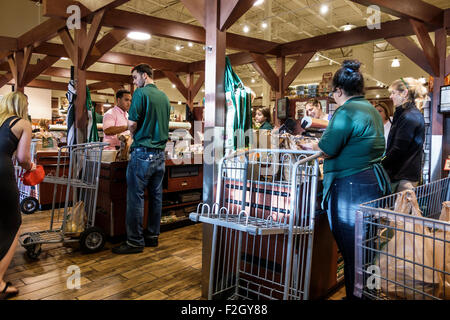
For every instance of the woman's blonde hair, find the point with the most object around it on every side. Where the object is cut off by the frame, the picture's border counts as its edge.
(13, 104)
(417, 92)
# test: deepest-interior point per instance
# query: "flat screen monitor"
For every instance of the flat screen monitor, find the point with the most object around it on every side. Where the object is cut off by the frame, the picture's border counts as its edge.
(283, 108)
(444, 105)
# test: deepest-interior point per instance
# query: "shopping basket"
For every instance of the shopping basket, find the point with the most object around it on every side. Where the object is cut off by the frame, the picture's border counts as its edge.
(75, 181)
(263, 220)
(28, 195)
(403, 256)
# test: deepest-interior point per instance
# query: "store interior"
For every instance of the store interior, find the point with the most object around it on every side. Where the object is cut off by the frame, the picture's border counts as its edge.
(279, 49)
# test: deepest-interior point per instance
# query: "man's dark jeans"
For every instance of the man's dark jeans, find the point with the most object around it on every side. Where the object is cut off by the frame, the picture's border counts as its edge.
(346, 195)
(145, 172)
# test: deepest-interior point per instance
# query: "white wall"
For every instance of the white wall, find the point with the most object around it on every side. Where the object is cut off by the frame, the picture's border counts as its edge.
(39, 100)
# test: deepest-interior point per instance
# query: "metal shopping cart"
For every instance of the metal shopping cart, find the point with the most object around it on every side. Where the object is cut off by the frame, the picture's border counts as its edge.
(29, 195)
(76, 182)
(402, 256)
(263, 222)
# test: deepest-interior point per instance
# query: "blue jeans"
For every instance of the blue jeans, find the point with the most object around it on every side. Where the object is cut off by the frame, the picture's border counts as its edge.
(346, 194)
(145, 171)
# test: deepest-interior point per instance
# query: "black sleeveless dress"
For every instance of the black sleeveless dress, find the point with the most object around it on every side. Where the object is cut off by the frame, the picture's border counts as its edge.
(10, 217)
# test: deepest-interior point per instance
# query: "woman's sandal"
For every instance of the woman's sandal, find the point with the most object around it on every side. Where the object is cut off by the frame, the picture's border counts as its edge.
(6, 295)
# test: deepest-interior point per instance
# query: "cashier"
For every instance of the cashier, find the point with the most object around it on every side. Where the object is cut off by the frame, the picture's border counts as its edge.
(115, 120)
(314, 110)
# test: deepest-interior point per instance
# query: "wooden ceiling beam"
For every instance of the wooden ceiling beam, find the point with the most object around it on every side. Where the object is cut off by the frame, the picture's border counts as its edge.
(197, 9)
(105, 44)
(198, 84)
(265, 70)
(232, 10)
(91, 38)
(173, 77)
(409, 9)
(35, 70)
(5, 79)
(8, 44)
(298, 66)
(427, 45)
(412, 51)
(390, 29)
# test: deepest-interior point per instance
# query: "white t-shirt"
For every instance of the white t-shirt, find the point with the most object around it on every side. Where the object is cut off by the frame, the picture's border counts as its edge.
(387, 128)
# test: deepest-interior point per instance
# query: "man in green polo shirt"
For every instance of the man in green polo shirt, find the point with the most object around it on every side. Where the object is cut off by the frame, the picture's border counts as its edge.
(148, 122)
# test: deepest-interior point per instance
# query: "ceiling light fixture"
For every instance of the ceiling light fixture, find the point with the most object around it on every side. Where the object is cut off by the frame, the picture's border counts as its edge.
(246, 29)
(178, 47)
(377, 96)
(395, 63)
(107, 104)
(258, 2)
(323, 9)
(64, 58)
(139, 36)
(422, 80)
(316, 58)
(347, 27)
(264, 25)
(253, 80)
(174, 86)
(179, 102)
(190, 44)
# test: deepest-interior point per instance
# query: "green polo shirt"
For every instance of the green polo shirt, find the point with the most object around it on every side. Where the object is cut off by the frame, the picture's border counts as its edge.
(150, 108)
(354, 140)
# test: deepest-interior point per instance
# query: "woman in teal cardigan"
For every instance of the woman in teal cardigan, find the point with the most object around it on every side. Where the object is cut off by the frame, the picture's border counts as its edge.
(353, 144)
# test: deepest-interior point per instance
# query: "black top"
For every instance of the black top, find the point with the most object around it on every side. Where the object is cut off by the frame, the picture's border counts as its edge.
(8, 143)
(404, 149)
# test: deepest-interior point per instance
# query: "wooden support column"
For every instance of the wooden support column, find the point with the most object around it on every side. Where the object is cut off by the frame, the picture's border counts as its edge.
(214, 121)
(436, 117)
(281, 68)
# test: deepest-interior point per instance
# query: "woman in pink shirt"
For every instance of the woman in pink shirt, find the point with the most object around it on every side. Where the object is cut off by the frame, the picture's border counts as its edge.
(115, 121)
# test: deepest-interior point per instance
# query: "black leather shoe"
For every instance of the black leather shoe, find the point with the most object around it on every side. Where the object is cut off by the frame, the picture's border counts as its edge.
(151, 241)
(124, 248)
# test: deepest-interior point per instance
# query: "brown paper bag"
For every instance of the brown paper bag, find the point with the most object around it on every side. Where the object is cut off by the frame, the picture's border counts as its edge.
(76, 219)
(406, 252)
(443, 250)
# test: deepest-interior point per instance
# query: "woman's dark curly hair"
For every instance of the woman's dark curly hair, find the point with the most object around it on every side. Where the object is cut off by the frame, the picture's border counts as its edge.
(349, 79)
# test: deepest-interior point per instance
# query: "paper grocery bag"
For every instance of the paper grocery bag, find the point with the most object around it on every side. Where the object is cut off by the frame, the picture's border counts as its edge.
(442, 258)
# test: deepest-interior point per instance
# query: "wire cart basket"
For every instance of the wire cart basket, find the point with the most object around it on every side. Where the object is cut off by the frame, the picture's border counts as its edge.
(28, 195)
(75, 181)
(404, 256)
(263, 222)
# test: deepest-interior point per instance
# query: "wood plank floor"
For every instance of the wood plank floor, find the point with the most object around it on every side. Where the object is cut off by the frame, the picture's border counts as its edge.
(170, 271)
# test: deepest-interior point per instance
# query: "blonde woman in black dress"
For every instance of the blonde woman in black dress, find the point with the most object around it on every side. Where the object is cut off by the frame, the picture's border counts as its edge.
(15, 136)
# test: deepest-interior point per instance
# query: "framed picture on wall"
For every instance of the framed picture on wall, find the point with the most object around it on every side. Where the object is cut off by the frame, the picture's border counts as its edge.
(444, 105)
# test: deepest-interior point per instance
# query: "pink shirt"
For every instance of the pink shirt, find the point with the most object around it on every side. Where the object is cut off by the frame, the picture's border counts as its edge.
(114, 117)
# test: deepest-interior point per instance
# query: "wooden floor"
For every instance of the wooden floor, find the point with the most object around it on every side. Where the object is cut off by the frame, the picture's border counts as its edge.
(171, 271)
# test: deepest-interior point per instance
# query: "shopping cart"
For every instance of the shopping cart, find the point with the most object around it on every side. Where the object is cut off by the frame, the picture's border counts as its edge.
(403, 256)
(263, 222)
(75, 181)
(28, 195)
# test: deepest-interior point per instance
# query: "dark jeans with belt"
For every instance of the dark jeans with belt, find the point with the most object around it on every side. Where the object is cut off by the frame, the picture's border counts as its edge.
(346, 194)
(145, 172)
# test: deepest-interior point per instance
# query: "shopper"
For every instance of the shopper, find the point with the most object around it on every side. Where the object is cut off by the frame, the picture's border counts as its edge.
(353, 145)
(262, 117)
(385, 114)
(115, 120)
(148, 122)
(15, 136)
(403, 161)
(314, 110)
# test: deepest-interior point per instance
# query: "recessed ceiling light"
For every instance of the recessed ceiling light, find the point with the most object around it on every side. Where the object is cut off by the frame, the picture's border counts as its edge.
(107, 105)
(316, 58)
(377, 96)
(139, 35)
(253, 80)
(246, 29)
(323, 9)
(258, 2)
(395, 63)
(347, 27)
(264, 25)
(64, 58)
(190, 44)
(179, 102)
(203, 90)
(174, 86)
(178, 47)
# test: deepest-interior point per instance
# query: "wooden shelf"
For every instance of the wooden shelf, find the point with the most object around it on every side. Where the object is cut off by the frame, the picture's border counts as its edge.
(184, 204)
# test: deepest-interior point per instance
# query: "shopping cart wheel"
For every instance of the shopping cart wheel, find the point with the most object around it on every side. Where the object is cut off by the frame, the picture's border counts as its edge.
(92, 240)
(29, 205)
(33, 250)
